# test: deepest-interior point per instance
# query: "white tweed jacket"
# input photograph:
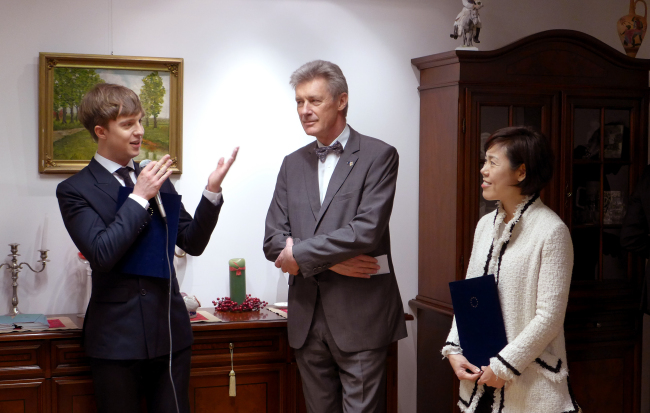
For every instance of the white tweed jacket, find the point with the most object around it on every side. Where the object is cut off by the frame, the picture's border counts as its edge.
(533, 286)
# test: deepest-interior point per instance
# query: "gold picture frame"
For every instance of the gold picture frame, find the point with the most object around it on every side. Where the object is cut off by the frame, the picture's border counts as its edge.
(65, 77)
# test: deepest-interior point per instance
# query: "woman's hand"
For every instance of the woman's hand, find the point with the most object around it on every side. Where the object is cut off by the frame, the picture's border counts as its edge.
(460, 365)
(490, 379)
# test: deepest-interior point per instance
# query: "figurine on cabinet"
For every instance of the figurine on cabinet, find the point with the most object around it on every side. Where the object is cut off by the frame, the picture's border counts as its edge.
(468, 22)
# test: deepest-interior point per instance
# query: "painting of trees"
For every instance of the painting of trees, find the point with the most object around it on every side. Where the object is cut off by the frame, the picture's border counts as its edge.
(70, 85)
(152, 96)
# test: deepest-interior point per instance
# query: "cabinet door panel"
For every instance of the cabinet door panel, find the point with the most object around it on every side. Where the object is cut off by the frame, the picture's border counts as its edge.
(260, 389)
(602, 377)
(22, 396)
(73, 395)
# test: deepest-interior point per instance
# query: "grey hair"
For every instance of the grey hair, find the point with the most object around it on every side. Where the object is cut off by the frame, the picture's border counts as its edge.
(327, 70)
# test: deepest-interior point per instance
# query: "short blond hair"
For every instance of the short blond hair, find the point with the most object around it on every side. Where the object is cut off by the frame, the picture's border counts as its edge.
(105, 102)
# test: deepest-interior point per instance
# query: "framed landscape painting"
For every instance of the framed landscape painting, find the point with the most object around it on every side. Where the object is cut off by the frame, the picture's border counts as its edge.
(65, 146)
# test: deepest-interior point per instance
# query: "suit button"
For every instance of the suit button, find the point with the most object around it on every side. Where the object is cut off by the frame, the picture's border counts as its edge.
(143, 292)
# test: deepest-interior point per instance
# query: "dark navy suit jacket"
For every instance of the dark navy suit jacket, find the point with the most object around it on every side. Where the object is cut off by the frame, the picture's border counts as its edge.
(127, 314)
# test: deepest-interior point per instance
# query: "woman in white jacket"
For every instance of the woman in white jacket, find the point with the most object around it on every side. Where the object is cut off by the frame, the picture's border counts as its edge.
(528, 249)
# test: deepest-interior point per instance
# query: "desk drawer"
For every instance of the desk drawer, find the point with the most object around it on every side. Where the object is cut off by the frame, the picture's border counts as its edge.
(68, 358)
(212, 348)
(22, 359)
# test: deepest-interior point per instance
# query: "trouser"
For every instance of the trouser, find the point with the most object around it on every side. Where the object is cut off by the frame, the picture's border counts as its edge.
(335, 381)
(120, 385)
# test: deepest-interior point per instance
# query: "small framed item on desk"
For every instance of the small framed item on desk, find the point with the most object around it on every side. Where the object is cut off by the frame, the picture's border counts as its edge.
(479, 320)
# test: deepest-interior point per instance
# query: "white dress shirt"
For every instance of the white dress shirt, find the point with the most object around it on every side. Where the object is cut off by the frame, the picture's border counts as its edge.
(326, 169)
(112, 167)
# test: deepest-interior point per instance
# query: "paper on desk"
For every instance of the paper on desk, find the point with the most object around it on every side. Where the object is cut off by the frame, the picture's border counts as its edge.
(382, 261)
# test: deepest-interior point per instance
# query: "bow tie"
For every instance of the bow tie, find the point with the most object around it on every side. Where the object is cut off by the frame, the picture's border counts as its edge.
(322, 153)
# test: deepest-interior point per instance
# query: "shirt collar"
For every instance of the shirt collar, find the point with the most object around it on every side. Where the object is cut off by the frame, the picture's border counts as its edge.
(343, 137)
(110, 165)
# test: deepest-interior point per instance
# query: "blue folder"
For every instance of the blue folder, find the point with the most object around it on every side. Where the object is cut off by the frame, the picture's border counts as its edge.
(147, 256)
(479, 320)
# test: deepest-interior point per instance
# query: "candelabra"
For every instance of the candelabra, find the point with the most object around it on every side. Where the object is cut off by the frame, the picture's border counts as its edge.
(15, 269)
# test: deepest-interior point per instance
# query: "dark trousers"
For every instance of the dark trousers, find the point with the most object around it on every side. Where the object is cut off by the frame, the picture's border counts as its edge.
(335, 381)
(120, 385)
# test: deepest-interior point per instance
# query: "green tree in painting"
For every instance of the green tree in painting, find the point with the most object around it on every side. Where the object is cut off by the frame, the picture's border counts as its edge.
(70, 85)
(62, 91)
(152, 96)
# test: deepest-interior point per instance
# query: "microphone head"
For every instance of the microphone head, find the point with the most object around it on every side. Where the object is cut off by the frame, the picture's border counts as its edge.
(144, 162)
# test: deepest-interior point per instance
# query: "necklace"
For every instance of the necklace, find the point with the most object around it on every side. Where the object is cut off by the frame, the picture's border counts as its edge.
(505, 237)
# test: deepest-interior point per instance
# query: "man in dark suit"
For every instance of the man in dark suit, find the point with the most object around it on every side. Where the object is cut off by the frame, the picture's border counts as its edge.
(327, 221)
(127, 332)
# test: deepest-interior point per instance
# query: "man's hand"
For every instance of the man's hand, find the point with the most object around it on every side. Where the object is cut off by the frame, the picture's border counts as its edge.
(490, 379)
(460, 365)
(216, 177)
(152, 177)
(285, 260)
(361, 266)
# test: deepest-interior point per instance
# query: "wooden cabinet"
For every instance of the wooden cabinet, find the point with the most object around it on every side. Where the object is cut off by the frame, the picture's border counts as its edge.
(23, 396)
(591, 101)
(43, 372)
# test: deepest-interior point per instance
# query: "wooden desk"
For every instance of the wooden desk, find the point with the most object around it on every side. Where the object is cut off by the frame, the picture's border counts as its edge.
(48, 372)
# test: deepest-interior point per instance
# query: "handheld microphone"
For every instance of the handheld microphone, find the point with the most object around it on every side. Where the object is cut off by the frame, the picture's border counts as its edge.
(144, 163)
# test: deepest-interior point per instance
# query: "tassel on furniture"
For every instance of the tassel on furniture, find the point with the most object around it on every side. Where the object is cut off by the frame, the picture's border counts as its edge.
(232, 389)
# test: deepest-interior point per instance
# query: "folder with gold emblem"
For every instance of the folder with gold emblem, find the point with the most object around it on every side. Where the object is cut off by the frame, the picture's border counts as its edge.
(479, 320)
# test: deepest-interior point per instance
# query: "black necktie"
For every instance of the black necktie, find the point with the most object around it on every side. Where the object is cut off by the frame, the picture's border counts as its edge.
(124, 174)
(322, 153)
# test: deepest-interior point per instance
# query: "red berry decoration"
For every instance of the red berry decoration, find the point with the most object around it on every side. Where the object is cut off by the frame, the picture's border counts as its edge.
(249, 304)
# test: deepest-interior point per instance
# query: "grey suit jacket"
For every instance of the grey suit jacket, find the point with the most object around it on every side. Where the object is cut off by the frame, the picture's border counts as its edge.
(362, 314)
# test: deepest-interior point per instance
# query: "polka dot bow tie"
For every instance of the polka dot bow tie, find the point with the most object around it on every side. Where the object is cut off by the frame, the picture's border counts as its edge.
(322, 153)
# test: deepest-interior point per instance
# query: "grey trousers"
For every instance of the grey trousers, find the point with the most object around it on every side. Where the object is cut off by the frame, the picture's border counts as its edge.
(335, 381)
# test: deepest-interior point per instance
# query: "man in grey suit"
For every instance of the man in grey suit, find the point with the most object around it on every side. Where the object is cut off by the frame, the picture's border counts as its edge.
(327, 221)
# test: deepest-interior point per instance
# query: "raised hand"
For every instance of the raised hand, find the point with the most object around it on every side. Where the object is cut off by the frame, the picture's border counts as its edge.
(361, 266)
(460, 365)
(152, 177)
(216, 177)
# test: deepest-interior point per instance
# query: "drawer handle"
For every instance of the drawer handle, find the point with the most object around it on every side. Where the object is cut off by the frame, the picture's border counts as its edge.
(232, 389)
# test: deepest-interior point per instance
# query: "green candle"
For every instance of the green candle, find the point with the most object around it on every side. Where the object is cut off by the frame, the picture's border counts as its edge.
(237, 267)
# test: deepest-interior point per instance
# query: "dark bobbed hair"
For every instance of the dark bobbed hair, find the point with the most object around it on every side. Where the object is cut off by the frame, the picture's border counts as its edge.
(526, 146)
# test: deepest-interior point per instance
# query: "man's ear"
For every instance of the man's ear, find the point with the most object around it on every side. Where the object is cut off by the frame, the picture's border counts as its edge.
(343, 101)
(100, 131)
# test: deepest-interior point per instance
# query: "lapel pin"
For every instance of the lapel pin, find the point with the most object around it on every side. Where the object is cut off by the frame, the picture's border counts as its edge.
(351, 163)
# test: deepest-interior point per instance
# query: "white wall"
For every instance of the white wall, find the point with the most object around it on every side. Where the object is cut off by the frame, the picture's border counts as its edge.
(238, 58)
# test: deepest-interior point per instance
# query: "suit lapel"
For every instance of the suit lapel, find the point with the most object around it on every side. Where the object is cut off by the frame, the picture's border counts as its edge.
(105, 180)
(341, 171)
(311, 179)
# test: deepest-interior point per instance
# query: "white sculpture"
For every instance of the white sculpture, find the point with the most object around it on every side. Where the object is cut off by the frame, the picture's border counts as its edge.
(468, 23)
(191, 303)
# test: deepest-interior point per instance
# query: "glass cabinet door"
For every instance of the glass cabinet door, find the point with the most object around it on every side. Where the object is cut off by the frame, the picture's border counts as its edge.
(600, 188)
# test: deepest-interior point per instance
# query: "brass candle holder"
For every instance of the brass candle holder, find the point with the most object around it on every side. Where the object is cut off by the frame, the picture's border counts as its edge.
(15, 268)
